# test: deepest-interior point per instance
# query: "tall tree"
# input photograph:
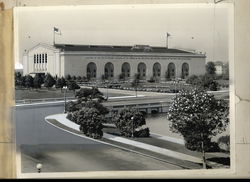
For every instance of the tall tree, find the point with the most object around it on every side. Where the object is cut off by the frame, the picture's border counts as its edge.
(59, 83)
(136, 82)
(68, 78)
(18, 78)
(198, 116)
(49, 81)
(210, 68)
(29, 81)
(37, 81)
(225, 74)
(64, 83)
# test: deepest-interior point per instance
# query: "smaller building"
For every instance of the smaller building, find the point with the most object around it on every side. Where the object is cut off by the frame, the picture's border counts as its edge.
(218, 67)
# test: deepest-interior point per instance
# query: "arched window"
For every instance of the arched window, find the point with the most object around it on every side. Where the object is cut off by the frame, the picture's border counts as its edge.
(171, 71)
(157, 71)
(142, 71)
(126, 70)
(185, 70)
(109, 70)
(91, 70)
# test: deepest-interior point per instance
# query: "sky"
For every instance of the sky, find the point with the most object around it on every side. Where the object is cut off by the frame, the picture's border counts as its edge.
(192, 27)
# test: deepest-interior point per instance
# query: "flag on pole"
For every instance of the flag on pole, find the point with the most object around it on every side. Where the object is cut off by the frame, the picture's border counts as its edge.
(168, 35)
(56, 30)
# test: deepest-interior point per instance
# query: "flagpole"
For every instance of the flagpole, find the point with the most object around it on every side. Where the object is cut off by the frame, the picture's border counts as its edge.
(167, 40)
(54, 36)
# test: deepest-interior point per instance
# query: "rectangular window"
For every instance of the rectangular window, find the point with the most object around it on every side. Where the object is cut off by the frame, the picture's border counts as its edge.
(34, 58)
(45, 58)
(42, 58)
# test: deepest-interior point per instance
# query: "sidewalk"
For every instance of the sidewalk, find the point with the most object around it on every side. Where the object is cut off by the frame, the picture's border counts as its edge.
(162, 145)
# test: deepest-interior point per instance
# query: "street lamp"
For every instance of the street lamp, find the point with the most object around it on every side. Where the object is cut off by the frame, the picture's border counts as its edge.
(161, 106)
(39, 167)
(65, 89)
(132, 118)
(107, 90)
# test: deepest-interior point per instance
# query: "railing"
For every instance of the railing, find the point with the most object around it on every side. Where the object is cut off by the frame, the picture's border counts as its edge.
(29, 101)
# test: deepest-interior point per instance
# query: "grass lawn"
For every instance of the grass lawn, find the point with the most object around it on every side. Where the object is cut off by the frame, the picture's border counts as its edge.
(44, 93)
(22, 94)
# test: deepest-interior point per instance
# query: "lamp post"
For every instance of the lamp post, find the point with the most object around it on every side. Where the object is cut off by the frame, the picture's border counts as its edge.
(65, 89)
(39, 167)
(107, 90)
(132, 118)
(161, 106)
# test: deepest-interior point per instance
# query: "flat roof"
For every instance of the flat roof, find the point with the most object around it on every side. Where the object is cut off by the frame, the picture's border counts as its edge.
(110, 48)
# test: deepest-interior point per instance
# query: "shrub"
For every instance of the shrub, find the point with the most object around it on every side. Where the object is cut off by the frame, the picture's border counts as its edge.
(130, 119)
(90, 121)
(151, 80)
(29, 81)
(142, 133)
(224, 143)
(204, 81)
(72, 85)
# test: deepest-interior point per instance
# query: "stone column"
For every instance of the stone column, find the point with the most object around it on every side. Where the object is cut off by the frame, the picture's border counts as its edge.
(57, 64)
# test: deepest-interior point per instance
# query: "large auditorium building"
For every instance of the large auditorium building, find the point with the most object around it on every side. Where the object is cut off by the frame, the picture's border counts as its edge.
(98, 62)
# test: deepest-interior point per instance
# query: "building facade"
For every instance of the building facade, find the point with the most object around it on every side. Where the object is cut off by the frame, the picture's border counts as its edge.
(113, 62)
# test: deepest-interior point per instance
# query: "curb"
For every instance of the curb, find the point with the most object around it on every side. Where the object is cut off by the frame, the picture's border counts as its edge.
(117, 146)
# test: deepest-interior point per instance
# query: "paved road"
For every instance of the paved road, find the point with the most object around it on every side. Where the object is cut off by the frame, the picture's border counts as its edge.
(59, 151)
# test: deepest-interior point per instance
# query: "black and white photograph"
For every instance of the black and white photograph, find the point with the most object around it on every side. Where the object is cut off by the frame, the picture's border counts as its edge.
(123, 88)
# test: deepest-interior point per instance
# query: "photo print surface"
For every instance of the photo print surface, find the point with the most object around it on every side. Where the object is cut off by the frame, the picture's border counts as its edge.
(122, 88)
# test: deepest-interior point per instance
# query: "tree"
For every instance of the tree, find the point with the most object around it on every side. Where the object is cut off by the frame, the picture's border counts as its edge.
(18, 78)
(203, 81)
(79, 78)
(194, 80)
(210, 68)
(225, 74)
(135, 82)
(87, 112)
(68, 77)
(59, 83)
(72, 85)
(22, 81)
(49, 81)
(209, 83)
(198, 116)
(29, 81)
(86, 94)
(38, 81)
(97, 105)
(90, 121)
(128, 120)
(64, 83)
